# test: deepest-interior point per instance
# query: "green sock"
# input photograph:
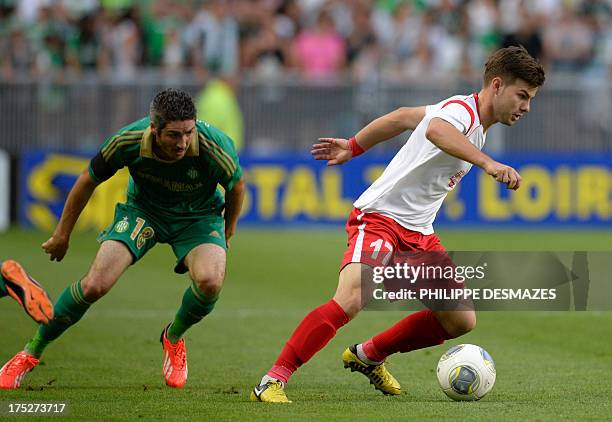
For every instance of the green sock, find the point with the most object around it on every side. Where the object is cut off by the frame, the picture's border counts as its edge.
(68, 309)
(195, 306)
(3, 291)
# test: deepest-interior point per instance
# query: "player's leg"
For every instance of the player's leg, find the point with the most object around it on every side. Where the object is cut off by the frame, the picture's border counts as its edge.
(417, 331)
(352, 299)
(320, 325)
(206, 265)
(424, 328)
(15, 282)
(200, 250)
(112, 259)
(312, 334)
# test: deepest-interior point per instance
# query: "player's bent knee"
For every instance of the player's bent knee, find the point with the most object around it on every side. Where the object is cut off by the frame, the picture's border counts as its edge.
(209, 284)
(350, 303)
(463, 323)
(94, 288)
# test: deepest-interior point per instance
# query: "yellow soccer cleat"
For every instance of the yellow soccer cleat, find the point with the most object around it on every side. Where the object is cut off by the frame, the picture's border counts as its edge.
(270, 392)
(378, 374)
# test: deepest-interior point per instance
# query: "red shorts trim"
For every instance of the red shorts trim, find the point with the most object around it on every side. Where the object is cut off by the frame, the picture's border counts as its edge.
(372, 239)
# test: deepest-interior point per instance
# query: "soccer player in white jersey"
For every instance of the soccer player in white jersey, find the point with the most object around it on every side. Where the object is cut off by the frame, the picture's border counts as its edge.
(397, 212)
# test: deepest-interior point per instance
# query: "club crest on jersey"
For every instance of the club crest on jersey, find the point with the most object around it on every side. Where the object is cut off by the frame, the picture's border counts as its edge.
(122, 225)
(456, 179)
(192, 173)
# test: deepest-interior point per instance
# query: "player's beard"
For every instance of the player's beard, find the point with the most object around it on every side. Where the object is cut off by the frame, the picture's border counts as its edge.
(168, 152)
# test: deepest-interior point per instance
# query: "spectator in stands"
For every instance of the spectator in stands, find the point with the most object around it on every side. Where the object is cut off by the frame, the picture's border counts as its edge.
(569, 42)
(213, 39)
(526, 34)
(218, 105)
(362, 33)
(318, 38)
(121, 44)
(319, 51)
(85, 45)
(17, 57)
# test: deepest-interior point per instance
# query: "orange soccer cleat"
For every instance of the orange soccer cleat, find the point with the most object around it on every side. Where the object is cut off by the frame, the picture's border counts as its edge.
(13, 372)
(175, 362)
(27, 292)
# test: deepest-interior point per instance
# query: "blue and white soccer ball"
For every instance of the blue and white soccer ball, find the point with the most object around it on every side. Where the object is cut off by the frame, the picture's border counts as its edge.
(466, 372)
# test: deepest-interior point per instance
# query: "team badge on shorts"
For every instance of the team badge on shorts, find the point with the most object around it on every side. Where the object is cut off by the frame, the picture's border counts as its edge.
(122, 225)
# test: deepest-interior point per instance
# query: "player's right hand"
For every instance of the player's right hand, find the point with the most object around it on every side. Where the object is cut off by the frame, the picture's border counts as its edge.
(334, 150)
(504, 174)
(56, 247)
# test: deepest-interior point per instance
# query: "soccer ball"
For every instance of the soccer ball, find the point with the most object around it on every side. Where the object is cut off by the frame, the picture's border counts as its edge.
(466, 372)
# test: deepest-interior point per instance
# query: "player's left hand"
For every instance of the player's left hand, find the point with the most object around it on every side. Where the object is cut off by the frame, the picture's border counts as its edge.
(229, 232)
(56, 247)
(504, 174)
(334, 150)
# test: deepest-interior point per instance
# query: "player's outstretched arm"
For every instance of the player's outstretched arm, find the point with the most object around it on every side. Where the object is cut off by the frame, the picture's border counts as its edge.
(390, 125)
(446, 137)
(337, 150)
(233, 205)
(79, 195)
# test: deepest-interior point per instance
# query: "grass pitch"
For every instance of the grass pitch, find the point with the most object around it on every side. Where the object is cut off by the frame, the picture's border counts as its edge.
(555, 365)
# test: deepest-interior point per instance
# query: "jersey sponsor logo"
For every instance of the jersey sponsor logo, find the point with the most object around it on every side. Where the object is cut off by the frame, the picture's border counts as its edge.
(456, 179)
(173, 185)
(122, 225)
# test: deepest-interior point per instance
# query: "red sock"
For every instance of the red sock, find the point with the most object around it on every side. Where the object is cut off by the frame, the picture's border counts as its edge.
(416, 331)
(315, 331)
(372, 352)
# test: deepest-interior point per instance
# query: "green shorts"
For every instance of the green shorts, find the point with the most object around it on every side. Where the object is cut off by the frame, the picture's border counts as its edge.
(139, 230)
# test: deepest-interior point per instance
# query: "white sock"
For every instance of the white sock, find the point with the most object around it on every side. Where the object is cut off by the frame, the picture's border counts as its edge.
(362, 356)
(266, 378)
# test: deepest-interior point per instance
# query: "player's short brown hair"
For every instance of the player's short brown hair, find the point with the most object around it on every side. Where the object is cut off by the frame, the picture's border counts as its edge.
(171, 105)
(512, 63)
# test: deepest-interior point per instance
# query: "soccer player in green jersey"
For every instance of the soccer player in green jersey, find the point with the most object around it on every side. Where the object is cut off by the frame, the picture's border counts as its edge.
(175, 164)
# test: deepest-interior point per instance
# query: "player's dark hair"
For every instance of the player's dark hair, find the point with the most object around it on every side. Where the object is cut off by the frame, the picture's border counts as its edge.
(171, 105)
(512, 63)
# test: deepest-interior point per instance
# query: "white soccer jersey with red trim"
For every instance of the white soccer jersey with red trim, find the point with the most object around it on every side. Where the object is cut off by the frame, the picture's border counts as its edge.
(416, 181)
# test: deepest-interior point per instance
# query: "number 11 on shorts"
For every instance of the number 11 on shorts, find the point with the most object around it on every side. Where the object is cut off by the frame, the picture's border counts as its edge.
(377, 245)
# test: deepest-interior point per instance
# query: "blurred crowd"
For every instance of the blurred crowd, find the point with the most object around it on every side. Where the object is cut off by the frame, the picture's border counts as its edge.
(398, 40)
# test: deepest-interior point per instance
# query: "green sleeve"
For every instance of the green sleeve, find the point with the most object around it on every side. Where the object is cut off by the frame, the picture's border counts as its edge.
(220, 148)
(115, 153)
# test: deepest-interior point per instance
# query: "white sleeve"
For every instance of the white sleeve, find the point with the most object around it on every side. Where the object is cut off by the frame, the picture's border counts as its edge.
(456, 114)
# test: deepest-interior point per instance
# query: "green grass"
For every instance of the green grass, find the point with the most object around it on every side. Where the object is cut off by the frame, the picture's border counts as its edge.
(550, 365)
